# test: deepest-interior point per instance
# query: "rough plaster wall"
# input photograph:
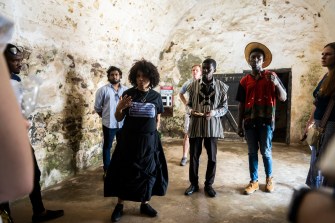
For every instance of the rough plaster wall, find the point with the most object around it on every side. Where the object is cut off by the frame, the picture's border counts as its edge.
(69, 46)
(70, 43)
(295, 32)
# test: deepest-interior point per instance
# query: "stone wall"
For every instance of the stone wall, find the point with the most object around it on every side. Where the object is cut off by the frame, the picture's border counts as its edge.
(70, 43)
(294, 31)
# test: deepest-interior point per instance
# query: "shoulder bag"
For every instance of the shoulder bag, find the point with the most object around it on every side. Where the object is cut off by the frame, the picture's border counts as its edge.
(314, 134)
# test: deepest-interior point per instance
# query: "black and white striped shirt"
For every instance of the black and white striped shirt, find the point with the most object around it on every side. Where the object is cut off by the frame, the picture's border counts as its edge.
(204, 98)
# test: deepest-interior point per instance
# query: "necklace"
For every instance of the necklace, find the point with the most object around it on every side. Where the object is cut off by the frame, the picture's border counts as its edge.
(143, 96)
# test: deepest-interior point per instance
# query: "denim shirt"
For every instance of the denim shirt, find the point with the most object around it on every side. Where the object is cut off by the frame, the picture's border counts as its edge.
(106, 100)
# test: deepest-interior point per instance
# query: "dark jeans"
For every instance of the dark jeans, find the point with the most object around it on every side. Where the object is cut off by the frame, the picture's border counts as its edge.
(259, 137)
(315, 177)
(195, 152)
(109, 135)
(35, 196)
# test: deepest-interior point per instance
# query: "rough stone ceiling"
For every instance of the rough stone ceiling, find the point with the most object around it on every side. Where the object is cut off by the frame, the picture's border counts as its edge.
(96, 25)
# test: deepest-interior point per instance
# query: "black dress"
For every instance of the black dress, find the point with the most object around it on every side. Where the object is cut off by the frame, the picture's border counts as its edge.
(138, 168)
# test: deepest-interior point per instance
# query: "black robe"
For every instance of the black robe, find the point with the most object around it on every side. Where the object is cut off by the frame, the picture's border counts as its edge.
(138, 168)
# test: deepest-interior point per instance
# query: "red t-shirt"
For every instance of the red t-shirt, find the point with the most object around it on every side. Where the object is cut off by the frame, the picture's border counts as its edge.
(258, 96)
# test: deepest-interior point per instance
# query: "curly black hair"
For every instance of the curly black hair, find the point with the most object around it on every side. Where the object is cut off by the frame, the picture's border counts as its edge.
(148, 69)
(112, 68)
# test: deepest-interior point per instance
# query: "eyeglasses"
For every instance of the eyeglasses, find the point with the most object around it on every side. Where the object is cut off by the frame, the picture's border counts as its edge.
(16, 50)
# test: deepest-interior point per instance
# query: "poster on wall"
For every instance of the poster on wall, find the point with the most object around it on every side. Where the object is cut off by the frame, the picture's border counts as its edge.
(167, 98)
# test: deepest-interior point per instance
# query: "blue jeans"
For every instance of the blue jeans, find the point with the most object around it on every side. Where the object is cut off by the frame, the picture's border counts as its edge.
(314, 178)
(109, 135)
(259, 136)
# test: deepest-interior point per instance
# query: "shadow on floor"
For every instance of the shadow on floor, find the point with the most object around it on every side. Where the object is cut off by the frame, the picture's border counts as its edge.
(82, 199)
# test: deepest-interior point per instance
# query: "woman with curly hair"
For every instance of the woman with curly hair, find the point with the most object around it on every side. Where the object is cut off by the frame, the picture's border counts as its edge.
(138, 167)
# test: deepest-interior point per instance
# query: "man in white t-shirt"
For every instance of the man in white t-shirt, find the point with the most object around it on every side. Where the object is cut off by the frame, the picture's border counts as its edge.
(196, 74)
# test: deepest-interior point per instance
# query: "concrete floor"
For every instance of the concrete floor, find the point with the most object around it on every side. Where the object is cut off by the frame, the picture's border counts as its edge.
(82, 199)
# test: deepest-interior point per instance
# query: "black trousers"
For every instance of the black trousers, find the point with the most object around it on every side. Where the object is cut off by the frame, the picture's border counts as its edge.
(210, 144)
(35, 195)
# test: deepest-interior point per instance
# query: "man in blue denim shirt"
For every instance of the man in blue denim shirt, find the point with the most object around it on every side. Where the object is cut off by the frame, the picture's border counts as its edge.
(106, 100)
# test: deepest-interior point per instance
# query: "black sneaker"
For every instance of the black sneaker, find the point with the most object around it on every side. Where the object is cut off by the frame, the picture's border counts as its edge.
(117, 213)
(148, 210)
(47, 215)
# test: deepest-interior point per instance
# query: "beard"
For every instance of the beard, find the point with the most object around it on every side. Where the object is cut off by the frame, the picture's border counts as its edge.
(114, 81)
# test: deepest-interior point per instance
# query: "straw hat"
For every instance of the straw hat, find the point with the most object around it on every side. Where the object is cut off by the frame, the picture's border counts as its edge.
(255, 45)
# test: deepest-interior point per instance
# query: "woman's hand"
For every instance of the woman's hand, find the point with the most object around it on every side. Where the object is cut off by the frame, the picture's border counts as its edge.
(309, 125)
(124, 102)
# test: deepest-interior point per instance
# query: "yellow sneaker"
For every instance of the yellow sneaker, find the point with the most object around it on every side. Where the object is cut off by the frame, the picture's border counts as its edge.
(269, 187)
(251, 188)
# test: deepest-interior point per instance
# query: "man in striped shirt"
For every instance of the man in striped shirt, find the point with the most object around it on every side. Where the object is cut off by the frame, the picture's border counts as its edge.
(207, 103)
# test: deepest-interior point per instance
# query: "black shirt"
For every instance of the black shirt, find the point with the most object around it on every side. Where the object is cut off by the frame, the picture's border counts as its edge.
(141, 116)
(321, 103)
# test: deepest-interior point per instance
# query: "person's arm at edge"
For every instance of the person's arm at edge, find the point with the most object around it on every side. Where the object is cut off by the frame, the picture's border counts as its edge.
(316, 206)
(16, 162)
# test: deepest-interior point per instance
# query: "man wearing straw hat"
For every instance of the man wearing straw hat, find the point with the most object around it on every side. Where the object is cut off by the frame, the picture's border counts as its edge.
(257, 93)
